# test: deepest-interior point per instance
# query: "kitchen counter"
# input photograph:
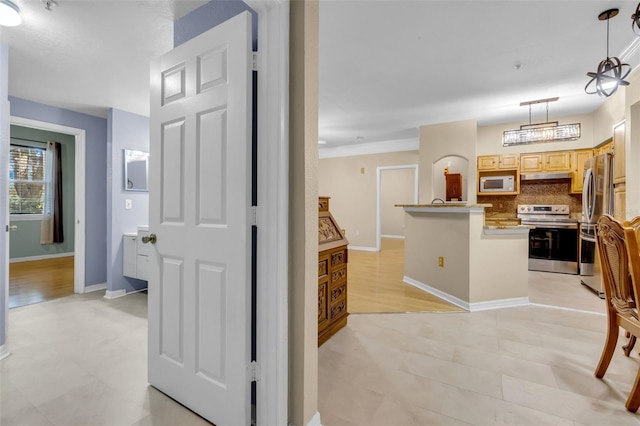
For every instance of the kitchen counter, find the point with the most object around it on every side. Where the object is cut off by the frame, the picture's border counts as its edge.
(482, 265)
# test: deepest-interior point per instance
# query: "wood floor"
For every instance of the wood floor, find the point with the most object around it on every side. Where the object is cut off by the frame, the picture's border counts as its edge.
(375, 283)
(39, 280)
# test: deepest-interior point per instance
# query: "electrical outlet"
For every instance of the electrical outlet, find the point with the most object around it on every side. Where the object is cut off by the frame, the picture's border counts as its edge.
(441, 261)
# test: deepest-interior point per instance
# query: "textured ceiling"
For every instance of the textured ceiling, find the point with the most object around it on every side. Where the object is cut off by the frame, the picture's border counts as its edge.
(90, 55)
(386, 67)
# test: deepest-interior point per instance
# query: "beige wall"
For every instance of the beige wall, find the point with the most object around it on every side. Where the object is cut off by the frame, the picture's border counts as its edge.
(430, 235)
(632, 151)
(353, 193)
(396, 187)
(443, 140)
(303, 212)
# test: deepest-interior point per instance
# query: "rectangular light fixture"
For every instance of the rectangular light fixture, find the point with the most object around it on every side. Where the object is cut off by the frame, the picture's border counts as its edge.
(542, 132)
(548, 131)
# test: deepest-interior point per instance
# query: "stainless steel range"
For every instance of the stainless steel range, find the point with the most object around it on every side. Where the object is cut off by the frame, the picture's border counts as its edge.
(553, 241)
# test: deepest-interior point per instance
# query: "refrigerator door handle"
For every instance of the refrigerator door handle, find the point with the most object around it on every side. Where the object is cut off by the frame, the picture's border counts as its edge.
(588, 197)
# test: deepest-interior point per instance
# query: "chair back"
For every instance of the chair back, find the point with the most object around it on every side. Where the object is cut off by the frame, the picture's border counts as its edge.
(631, 241)
(610, 238)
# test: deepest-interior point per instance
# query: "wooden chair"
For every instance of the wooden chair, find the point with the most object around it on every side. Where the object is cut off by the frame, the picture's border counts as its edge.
(635, 224)
(620, 293)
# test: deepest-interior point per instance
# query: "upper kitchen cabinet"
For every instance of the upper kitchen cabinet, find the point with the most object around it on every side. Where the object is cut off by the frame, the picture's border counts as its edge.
(488, 163)
(580, 156)
(618, 154)
(603, 148)
(555, 161)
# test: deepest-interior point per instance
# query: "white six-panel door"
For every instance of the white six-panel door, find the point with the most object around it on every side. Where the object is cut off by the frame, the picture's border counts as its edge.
(200, 197)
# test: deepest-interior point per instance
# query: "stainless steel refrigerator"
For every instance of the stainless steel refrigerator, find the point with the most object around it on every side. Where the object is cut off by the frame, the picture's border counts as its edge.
(597, 199)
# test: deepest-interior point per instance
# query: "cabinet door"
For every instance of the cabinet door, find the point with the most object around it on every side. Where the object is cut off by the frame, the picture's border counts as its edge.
(531, 163)
(580, 156)
(620, 202)
(509, 161)
(129, 256)
(488, 162)
(618, 154)
(559, 161)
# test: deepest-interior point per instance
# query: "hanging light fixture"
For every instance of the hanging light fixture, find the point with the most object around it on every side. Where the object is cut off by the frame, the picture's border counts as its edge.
(635, 21)
(9, 14)
(611, 71)
(549, 131)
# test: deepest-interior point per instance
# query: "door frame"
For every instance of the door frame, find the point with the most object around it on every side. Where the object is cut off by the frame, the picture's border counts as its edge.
(379, 195)
(80, 167)
(272, 216)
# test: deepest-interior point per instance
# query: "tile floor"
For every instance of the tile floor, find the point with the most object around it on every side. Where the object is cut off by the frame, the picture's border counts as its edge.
(81, 360)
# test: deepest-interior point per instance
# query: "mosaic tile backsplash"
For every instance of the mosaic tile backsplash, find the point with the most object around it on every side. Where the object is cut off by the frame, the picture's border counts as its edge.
(539, 192)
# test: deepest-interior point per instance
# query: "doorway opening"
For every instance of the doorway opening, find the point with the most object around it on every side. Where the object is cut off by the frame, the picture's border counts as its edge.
(61, 265)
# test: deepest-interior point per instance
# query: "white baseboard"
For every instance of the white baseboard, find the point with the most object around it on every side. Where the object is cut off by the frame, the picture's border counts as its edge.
(315, 420)
(441, 294)
(4, 352)
(499, 304)
(120, 293)
(43, 257)
(350, 247)
(397, 237)
(471, 307)
(95, 287)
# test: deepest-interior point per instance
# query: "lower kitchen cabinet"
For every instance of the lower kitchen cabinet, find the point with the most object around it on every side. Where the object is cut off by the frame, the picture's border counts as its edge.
(620, 202)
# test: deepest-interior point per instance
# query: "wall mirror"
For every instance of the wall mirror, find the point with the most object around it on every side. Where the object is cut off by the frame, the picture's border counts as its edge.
(136, 170)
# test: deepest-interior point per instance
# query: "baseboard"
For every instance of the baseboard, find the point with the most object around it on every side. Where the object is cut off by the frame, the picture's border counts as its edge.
(397, 237)
(360, 248)
(95, 287)
(315, 420)
(471, 307)
(43, 257)
(441, 294)
(4, 352)
(120, 293)
(499, 304)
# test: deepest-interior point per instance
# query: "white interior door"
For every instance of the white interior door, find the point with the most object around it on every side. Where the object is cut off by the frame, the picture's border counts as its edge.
(200, 202)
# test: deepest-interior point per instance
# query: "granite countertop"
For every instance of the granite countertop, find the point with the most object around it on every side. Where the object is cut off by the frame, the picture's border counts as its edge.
(445, 205)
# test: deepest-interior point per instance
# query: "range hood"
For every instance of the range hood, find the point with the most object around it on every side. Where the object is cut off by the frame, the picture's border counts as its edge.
(545, 176)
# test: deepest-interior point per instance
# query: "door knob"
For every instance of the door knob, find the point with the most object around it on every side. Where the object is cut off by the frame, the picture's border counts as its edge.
(151, 238)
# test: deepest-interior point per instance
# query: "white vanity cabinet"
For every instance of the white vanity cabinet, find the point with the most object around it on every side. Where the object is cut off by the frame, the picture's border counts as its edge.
(135, 255)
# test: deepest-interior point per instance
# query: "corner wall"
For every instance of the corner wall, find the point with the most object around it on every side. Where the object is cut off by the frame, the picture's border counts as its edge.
(125, 131)
(437, 141)
(303, 212)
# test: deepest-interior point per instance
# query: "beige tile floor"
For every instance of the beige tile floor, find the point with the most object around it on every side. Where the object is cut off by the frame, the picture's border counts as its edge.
(81, 360)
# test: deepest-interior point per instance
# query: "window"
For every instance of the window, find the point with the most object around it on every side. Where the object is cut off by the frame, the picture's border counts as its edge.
(27, 182)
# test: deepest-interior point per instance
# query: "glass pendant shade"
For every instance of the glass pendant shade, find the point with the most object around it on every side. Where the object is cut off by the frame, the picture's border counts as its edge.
(9, 14)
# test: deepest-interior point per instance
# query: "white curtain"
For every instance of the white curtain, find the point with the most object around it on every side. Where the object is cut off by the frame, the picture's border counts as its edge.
(47, 224)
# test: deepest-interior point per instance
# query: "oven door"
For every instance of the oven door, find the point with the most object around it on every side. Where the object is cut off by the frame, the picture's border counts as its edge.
(554, 249)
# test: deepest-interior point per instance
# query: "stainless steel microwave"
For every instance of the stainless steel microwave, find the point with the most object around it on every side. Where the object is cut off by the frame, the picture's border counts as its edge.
(497, 184)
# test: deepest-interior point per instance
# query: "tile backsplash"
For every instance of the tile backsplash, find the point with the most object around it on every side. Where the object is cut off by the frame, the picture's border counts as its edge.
(538, 192)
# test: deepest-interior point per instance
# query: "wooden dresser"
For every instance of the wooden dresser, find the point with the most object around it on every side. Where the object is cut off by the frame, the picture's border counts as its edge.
(332, 274)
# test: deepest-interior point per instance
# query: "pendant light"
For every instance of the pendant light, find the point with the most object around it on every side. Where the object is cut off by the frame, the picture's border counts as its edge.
(611, 71)
(635, 21)
(549, 131)
(9, 14)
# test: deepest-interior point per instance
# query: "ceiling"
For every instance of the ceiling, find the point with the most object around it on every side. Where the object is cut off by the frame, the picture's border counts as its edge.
(386, 67)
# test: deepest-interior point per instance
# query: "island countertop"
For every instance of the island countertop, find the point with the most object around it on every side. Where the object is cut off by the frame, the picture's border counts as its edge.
(450, 207)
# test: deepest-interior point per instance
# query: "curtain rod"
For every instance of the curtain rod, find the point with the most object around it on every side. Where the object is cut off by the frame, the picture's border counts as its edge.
(27, 140)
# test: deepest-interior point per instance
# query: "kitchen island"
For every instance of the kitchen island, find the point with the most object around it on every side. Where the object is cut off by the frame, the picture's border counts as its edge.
(450, 252)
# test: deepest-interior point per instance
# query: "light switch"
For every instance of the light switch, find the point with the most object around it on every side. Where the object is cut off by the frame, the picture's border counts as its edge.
(128, 204)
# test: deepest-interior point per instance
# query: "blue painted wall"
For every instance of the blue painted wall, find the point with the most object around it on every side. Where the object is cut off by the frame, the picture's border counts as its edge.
(95, 178)
(125, 131)
(208, 16)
